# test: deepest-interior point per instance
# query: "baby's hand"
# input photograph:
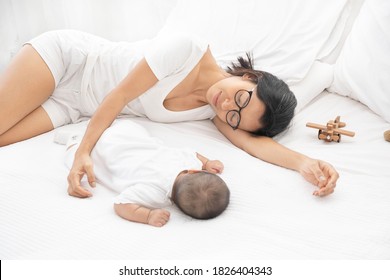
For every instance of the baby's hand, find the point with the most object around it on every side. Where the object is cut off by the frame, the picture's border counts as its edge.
(214, 166)
(158, 217)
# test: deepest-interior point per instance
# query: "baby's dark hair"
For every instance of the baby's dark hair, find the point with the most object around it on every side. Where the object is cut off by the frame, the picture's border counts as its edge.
(201, 195)
(279, 100)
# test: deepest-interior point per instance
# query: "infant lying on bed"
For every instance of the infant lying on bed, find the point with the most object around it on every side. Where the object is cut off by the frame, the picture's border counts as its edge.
(150, 176)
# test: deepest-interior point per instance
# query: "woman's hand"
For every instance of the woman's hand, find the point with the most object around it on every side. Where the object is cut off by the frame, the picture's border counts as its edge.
(214, 166)
(321, 174)
(82, 165)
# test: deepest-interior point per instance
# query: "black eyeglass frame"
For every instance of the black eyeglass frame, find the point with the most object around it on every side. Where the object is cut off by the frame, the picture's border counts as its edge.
(250, 92)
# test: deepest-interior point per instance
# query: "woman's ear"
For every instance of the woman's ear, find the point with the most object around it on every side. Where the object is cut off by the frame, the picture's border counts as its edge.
(249, 77)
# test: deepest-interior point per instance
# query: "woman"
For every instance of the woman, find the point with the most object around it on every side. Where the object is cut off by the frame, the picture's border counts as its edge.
(62, 77)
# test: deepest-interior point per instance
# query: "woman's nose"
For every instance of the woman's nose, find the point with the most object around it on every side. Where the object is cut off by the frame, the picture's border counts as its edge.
(227, 104)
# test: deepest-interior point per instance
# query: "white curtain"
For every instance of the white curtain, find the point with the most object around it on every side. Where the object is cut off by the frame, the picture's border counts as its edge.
(131, 20)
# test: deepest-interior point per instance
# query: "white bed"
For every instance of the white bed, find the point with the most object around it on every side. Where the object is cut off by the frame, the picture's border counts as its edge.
(272, 214)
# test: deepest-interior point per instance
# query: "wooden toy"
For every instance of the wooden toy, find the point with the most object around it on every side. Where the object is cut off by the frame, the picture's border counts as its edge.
(331, 131)
(386, 134)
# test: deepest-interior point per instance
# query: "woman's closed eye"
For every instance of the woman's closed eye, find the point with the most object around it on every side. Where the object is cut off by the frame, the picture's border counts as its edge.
(242, 98)
(233, 117)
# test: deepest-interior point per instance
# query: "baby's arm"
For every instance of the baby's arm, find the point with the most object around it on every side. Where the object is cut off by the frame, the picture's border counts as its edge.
(213, 166)
(140, 214)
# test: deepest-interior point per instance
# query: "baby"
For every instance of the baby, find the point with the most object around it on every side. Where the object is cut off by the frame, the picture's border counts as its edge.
(150, 176)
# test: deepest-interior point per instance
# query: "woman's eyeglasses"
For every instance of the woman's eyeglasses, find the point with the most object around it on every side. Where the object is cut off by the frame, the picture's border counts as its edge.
(241, 98)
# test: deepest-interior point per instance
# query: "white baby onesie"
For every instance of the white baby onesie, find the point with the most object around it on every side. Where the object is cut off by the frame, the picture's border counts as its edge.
(128, 160)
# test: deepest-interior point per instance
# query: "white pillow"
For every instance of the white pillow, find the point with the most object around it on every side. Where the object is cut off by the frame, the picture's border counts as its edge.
(285, 36)
(362, 71)
(330, 52)
(319, 78)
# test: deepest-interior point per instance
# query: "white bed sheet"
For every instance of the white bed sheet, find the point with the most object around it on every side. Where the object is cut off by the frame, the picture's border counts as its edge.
(272, 214)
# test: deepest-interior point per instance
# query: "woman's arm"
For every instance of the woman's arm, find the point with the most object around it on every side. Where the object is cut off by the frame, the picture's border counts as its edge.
(140, 214)
(139, 80)
(262, 147)
(317, 172)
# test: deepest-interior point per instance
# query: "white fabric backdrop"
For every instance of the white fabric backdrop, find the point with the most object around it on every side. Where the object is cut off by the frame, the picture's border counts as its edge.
(20, 20)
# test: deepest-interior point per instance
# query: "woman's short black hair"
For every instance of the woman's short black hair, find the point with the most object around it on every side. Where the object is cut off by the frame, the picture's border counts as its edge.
(279, 100)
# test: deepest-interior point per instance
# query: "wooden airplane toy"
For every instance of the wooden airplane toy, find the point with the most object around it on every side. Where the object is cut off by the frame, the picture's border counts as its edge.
(331, 131)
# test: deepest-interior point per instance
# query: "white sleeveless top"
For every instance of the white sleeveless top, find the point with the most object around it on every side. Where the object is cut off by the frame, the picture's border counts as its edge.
(171, 59)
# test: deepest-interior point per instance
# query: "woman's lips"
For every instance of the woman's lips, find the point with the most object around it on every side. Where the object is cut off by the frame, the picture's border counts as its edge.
(216, 98)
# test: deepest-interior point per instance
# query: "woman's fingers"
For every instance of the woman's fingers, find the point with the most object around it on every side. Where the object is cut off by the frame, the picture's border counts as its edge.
(78, 191)
(74, 185)
(90, 175)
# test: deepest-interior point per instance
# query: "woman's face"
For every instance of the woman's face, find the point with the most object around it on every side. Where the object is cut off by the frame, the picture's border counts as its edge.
(221, 96)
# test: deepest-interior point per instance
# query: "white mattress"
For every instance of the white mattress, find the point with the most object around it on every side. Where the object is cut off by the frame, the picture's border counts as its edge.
(272, 214)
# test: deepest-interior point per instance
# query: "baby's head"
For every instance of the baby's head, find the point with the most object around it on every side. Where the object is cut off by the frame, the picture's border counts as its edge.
(200, 194)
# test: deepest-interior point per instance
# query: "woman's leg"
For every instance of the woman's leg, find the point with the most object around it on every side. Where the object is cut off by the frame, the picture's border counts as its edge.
(25, 85)
(37, 122)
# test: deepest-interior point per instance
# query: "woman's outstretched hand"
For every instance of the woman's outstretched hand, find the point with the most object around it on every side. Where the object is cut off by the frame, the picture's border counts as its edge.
(82, 165)
(321, 174)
